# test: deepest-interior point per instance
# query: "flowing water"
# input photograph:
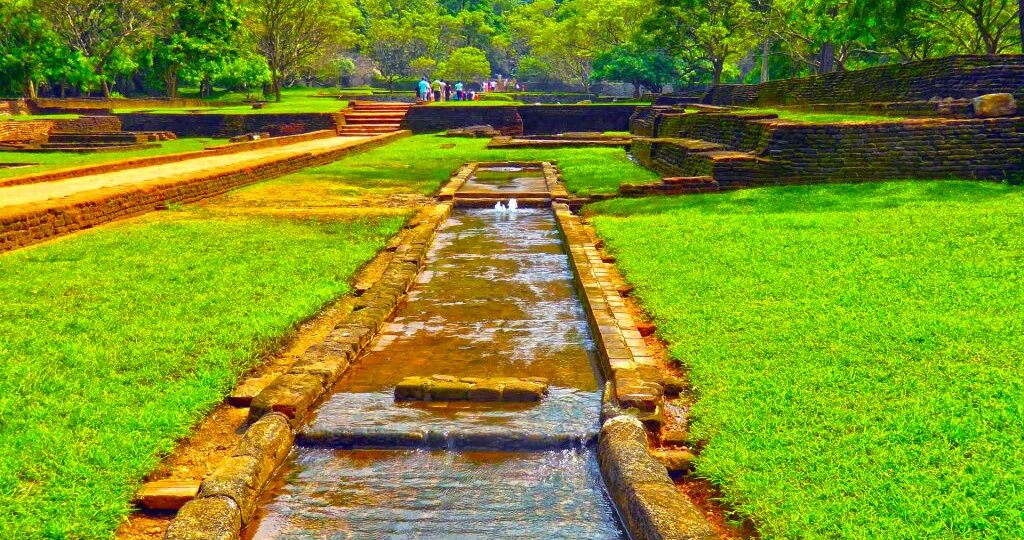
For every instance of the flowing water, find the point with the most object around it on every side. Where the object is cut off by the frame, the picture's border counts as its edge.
(496, 298)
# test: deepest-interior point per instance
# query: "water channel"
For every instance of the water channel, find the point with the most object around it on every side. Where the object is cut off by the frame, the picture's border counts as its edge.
(496, 298)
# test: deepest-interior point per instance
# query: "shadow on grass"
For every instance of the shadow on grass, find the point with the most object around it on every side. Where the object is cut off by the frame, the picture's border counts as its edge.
(821, 198)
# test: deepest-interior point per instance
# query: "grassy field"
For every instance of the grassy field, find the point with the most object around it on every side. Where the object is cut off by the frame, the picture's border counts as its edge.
(822, 117)
(421, 163)
(856, 350)
(59, 160)
(293, 100)
(116, 341)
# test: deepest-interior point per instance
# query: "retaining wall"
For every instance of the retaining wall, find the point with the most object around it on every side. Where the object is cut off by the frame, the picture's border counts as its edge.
(985, 149)
(228, 125)
(965, 76)
(522, 119)
(33, 223)
(39, 130)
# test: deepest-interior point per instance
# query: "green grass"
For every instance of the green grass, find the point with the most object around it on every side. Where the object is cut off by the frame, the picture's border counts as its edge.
(422, 163)
(117, 341)
(60, 160)
(479, 103)
(856, 350)
(822, 117)
(293, 100)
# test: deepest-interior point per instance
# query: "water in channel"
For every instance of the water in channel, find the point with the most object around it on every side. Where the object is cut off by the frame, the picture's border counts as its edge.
(496, 298)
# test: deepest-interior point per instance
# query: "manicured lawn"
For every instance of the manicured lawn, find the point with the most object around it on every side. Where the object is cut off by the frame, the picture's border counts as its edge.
(117, 341)
(61, 160)
(856, 350)
(423, 162)
(822, 117)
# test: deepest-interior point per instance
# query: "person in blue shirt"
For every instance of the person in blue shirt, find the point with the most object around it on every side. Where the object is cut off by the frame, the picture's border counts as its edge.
(459, 96)
(423, 88)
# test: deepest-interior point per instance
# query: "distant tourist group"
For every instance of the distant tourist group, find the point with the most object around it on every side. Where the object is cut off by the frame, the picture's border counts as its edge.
(441, 90)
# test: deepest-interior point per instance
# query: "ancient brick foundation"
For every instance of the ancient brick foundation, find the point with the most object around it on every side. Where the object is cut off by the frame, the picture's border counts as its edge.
(39, 130)
(741, 151)
(229, 125)
(520, 120)
(958, 77)
(30, 224)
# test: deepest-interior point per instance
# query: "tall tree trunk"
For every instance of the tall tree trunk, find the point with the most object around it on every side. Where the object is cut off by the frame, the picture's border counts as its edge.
(1020, 21)
(636, 90)
(766, 49)
(171, 82)
(30, 88)
(106, 88)
(276, 83)
(827, 58)
(719, 66)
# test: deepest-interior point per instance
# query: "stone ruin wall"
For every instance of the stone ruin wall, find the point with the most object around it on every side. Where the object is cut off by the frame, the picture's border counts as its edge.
(957, 77)
(984, 149)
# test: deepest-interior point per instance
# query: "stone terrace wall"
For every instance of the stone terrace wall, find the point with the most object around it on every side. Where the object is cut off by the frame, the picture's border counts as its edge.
(989, 149)
(735, 131)
(25, 131)
(120, 103)
(428, 119)
(87, 124)
(227, 125)
(523, 119)
(950, 77)
(551, 119)
(14, 106)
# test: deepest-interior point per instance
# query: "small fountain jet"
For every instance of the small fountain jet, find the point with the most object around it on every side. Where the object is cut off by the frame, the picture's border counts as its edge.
(498, 207)
(513, 205)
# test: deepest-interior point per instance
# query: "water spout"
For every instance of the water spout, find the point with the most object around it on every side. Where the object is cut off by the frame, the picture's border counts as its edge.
(498, 207)
(513, 205)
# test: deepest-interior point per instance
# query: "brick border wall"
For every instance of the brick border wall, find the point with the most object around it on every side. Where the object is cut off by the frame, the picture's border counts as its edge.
(124, 164)
(25, 225)
(964, 76)
(229, 125)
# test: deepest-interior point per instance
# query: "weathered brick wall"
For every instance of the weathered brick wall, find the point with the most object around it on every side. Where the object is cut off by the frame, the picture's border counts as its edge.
(88, 124)
(551, 119)
(735, 131)
(229, 125)
(436, 119)
(25, 131)
(988, 149)
(955, 77)
(523, 119)
(14, 106)
(121, 103)
(26, 225)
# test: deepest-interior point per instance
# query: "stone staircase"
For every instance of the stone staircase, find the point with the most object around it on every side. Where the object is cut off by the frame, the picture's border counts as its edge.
(366, 118)
(89, 142)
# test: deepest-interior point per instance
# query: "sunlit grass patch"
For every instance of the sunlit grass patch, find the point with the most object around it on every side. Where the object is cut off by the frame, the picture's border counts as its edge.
(855, 349)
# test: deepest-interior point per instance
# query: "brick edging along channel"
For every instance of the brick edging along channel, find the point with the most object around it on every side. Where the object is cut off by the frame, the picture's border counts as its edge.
(29, 224)
(228, 498)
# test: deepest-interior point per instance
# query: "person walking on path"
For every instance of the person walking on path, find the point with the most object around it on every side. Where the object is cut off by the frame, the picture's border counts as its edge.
(436, 87)
(459, 96)
(421, 89)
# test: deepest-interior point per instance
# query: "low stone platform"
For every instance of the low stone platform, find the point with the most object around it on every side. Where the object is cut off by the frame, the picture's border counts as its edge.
(450, 388)
(562, 140)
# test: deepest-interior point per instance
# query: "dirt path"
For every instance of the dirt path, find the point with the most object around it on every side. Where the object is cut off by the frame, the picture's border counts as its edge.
(33, 193)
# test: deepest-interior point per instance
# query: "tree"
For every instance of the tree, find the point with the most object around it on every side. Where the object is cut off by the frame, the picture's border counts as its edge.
(200, 37)
(637, 65)
(103, 31)
(291, 33)
(392, 45)
(568, 36)
(424, 65)
(722, 31)
(27, 47)
(466, 64)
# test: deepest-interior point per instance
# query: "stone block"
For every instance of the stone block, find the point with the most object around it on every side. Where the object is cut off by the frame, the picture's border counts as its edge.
(166, 494)
(522, 391)
(411, 389)
(207, 518)
(268, 441)
(676, 461)
(244, 393)
(237, 478)
(290, 394)
(485, 391)
(448, 390)
(994, 105)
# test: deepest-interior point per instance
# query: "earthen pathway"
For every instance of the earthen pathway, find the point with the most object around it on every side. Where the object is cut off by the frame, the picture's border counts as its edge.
(45, 191)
